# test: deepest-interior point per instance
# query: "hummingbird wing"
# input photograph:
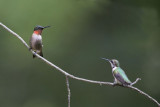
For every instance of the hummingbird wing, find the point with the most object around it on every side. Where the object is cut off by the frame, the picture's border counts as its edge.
(121, 76)
(30, 42)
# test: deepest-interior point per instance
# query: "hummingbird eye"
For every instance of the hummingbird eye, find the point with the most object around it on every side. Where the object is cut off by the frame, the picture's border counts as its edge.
(113, 62)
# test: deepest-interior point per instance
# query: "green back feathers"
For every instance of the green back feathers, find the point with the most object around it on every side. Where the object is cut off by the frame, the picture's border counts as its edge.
(119, 72)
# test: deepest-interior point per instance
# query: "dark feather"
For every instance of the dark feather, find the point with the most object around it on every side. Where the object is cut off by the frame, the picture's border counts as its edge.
(120, 78)
(34, 56)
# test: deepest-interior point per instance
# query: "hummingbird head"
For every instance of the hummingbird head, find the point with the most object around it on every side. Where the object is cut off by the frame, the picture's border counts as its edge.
(113, 62)
(38, 29)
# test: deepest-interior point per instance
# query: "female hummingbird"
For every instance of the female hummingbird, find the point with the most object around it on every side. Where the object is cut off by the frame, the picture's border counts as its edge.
(118, 74)
(36, 40)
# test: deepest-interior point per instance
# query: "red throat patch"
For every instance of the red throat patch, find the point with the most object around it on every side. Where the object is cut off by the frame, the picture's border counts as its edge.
(38, 32)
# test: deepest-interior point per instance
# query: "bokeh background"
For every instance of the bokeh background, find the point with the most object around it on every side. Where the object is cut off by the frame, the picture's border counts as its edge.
(82, 32)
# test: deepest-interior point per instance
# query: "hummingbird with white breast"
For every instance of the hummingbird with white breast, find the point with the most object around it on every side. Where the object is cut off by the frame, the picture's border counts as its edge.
(119, 75)
(36, 40)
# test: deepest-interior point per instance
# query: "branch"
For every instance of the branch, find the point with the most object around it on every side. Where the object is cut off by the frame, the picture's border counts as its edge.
(74, 77)
(143, 93)
(53, 65)
(69, 91)
(135, 81)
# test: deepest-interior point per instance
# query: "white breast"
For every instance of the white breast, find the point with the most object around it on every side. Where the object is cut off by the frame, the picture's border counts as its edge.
(114, 68)
(36, 37)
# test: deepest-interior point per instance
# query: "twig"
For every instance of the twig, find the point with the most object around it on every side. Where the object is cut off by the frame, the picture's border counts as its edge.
(69, 92)
(136, 81)
(78, 78)
(145, 94)
(15, 34)
(53, 65)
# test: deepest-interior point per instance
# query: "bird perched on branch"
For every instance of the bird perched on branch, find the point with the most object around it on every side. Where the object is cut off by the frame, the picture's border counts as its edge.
(119, 75)
(36, 40)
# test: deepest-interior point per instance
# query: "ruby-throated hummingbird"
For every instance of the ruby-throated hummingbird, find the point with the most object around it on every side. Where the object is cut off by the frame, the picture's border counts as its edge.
(118, 74)
(36, 40)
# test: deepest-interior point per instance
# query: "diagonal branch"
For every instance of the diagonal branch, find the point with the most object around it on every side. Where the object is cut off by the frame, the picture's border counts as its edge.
(53, 65)
(74, 77)
(145, 94)
(69, 92)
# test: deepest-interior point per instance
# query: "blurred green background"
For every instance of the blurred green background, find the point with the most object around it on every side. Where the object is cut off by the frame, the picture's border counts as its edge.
(82, 32)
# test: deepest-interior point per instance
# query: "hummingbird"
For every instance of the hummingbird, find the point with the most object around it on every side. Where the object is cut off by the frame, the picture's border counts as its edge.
(36, 40)
(119, 75)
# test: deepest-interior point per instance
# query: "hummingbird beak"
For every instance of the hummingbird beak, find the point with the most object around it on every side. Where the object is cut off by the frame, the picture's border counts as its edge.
(109, 61)
(46, 27)
(106, 59)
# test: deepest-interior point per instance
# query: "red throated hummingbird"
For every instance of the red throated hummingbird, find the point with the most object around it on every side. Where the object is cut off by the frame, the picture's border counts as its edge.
(36, 40)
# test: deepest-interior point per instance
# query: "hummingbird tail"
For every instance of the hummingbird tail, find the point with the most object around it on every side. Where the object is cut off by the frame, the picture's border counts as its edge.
(34, 56)
(41, 54)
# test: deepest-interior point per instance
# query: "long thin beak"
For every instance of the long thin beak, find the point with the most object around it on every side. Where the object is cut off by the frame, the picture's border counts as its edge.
(46, 27)
(109, 61)
(106, 59)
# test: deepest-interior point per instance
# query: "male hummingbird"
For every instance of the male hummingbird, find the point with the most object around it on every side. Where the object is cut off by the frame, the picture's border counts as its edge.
(119, 75)
(36, 40)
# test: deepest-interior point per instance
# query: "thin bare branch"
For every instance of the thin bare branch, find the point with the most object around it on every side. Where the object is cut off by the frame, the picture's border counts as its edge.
(78, 78)
(53, 65)
(15, 34)
(69, 92)
(136, 81)
(145, 94)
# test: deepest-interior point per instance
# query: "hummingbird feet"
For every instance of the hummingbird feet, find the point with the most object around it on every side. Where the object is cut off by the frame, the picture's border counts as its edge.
(34, 54)
(30, 49)
(115, 83)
